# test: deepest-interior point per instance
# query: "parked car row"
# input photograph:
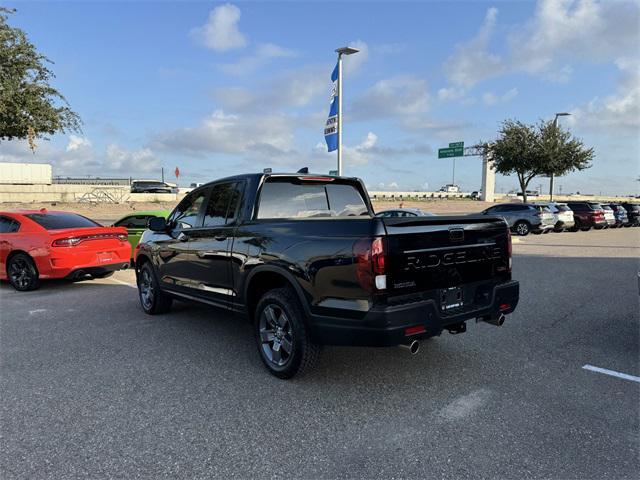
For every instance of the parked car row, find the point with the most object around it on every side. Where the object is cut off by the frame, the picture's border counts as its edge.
(543, 217)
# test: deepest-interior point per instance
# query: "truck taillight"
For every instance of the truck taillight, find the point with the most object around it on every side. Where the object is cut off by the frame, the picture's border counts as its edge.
(370, 258)
(509, 247)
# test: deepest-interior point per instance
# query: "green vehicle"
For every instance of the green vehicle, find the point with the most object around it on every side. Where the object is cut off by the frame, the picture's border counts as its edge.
(137, 222)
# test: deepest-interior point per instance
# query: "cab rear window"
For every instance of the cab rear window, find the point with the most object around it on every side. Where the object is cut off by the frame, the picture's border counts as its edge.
(283, 199)
(57, 221)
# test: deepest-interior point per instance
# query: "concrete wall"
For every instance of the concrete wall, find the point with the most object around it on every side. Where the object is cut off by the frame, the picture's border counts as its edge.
(75, 193)
(78, 193)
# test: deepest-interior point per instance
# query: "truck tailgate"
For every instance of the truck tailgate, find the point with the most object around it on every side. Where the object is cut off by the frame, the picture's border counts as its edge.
(427, 253)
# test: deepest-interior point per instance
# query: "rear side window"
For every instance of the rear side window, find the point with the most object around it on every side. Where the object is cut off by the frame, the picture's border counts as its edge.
(308, 200)
(9, 225)
(563, 208)
(578, 207)
(57, 221)
(595, 206)
(223, 204)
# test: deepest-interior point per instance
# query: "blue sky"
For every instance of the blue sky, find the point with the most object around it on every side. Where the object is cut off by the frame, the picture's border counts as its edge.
(225, 88)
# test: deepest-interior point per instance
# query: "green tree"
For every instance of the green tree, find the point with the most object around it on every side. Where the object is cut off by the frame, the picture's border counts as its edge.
(532, 150)
(560, 152)
(30, 107)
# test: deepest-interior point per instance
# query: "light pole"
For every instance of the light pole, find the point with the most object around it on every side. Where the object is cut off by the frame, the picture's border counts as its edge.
(341, 51)
(555, 126)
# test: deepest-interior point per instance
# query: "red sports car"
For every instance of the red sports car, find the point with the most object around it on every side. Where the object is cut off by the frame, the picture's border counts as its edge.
(39, 244)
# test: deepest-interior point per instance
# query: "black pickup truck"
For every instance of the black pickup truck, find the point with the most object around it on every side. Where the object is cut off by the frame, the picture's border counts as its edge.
(306, 261)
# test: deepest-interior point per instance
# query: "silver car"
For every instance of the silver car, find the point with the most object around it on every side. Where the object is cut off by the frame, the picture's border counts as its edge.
(404, 212)
(524, 218)
(609, 216)
(563, 214)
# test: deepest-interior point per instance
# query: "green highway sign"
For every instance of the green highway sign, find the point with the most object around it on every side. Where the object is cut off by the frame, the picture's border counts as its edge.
(333, 173)
(456, 145)
(450, 152)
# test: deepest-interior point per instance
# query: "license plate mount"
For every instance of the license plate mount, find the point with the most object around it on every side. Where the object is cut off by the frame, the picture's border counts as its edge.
(451, 298)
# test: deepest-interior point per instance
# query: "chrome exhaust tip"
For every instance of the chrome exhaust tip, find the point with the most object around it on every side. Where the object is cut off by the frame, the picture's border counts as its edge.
(413, 347)
(497, 321)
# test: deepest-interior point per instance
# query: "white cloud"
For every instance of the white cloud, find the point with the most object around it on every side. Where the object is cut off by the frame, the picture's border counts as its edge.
(616, 113)
(231, 133)
(401, 96)
(77, 143)
(471, 62)
(302, 85)
(118, 159)
(490, 98)
(264, 54)
(353, 63)
(362, 153)
(80, 158)
(570, 30)
(220, 32)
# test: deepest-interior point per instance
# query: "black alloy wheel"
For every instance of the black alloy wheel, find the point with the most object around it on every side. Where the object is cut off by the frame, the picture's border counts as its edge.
(282, 335)
(276, 335)
(22, 273)
(152, 299)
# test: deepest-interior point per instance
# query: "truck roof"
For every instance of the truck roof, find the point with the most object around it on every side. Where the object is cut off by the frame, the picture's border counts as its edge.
(257, 176)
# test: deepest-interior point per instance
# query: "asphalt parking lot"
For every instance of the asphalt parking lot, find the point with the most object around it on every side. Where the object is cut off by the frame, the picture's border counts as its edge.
(92, 387)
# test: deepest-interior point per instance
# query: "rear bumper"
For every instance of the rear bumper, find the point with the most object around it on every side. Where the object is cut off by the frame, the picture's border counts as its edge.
(66, 264)
(96, 271)
(385, 326)
(564, 224)
(542, 227)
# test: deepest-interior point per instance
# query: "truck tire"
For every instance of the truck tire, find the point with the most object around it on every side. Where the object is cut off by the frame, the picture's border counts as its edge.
(153, 300)
(282, 335)
(22, 273)
(522, 228)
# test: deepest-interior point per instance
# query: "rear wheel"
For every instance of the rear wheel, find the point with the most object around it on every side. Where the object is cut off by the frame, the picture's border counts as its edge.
(522, 228)
(22, 273)
(152, 299)
(282, 335)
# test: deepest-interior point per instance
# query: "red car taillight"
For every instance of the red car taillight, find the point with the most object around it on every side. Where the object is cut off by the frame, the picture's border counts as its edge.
(371, 263)
(73, 241)
(66, 242)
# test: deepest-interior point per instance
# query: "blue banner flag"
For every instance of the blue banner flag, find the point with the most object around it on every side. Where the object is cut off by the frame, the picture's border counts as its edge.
(331, 127)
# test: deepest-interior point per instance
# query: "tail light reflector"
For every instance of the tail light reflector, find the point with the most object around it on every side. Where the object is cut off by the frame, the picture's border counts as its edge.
(370, 258)
(414, 330)
(509, 247)
(73, 241)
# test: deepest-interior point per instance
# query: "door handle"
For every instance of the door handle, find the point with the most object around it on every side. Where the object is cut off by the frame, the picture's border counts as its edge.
(220, 238)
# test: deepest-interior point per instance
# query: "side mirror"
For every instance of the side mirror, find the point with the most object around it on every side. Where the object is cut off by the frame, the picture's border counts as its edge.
(158, 224)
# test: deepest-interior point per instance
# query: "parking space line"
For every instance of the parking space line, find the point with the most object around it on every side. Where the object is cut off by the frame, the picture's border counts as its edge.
(624, 376)
(123, 282)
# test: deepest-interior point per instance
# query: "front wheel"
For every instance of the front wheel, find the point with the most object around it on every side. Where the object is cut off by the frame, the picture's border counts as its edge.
(522, 228)
(152, 299)
(282, 335)
(22, 273)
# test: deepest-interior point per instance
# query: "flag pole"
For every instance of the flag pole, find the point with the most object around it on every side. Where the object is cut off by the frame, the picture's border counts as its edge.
(340, 52)
(339, 114)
